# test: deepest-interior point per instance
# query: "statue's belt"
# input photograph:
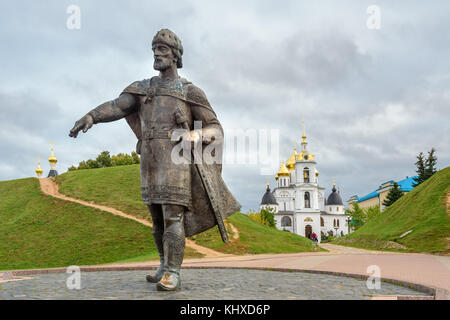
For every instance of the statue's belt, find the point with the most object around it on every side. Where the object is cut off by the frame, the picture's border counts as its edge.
(156, 134)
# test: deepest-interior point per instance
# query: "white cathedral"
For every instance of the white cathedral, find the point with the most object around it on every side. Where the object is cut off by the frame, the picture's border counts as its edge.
(299, 202)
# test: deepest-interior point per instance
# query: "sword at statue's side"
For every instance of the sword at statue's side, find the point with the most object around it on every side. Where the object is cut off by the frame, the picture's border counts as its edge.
(182, 119)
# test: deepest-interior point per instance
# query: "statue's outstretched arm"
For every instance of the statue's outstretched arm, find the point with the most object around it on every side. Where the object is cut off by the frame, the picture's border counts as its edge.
(109, 111)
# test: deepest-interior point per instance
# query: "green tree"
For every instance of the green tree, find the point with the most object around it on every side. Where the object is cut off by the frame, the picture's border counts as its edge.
(357, 215)
(268, 216)
(425, 167)
(420, 164)
(82, 165)
(92, 164)
(122, 159)
(430, 164)
(104, 159)
(393, 195)
(372, 212)
(135, 156)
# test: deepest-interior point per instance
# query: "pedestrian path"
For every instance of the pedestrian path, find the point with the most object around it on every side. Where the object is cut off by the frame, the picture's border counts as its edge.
(423, 269)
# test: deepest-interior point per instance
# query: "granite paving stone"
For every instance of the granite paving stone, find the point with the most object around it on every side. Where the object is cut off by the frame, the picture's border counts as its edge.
(215, 284)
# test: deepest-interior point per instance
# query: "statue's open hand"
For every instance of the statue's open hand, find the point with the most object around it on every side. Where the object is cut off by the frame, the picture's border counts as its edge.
(84, 124)
(192, 136)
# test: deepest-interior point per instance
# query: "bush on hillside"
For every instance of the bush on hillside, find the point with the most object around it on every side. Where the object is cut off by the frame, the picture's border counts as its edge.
(104, 159)
(265, 217)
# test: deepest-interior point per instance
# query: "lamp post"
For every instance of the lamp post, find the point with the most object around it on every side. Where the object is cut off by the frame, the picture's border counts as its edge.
(348, 223)
(336, 229)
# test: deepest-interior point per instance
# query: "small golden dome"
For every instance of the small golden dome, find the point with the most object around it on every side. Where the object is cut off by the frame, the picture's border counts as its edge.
(283, 172)
(301, 156)
(290, 163)
(39, 170)
(52, 159)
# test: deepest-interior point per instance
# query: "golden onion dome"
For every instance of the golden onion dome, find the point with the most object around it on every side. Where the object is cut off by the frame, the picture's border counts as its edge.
(290, 163)
(283, 172)
(276, 176)
(39, 170)
(52, 158)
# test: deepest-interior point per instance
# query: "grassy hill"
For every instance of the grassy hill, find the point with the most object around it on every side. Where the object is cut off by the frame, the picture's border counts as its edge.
(119, 187)
(422, 210)
(38, 231)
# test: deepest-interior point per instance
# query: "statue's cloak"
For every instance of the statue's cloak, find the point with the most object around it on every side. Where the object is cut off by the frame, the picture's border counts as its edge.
(199, 216)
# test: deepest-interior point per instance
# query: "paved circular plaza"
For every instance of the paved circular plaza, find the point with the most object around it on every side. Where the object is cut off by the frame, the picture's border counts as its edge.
(200, 284)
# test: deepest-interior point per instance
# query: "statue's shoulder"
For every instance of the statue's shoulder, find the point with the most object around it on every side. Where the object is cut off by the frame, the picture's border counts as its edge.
(195, 95)
(139, 87)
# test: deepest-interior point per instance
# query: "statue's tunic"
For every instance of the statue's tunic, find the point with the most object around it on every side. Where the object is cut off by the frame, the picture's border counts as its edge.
(163, 181)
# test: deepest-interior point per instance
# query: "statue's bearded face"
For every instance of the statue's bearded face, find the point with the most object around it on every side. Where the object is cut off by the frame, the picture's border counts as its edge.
(164, 57)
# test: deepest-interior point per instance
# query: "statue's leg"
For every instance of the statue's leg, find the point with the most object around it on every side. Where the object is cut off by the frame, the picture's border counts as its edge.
(158, 232)
(174, 243)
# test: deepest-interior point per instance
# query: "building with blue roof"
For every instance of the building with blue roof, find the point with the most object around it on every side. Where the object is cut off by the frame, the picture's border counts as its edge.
(377, 196)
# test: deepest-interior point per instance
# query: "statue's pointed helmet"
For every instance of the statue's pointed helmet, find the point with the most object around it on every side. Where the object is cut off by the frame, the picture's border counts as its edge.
(171, 39)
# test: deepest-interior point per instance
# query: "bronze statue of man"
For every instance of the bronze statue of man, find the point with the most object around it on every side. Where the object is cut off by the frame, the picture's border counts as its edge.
(182, 200)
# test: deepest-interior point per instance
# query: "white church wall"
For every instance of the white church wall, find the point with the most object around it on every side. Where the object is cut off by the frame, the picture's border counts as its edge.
(330, 226)
(274, 207)
(292, 176)
(312, 219)
(279, 225)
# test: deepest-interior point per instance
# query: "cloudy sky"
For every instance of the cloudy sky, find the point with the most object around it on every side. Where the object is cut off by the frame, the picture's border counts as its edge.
(372, 99)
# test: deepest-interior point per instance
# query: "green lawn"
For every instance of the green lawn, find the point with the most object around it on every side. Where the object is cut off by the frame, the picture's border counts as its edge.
(254, 238)
(38, 231)
(118, 187)
(422, 210)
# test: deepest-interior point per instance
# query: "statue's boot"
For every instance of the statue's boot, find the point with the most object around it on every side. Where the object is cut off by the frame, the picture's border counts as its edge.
(174, 245)
(158, 236)
(158, 232)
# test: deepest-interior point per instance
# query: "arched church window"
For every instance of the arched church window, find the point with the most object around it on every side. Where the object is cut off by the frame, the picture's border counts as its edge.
(330, 209)
(337, 222)
(286, 221)
(337, 208)
(334, 222)
(307, 200)
(322, 223)
(306, 175)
